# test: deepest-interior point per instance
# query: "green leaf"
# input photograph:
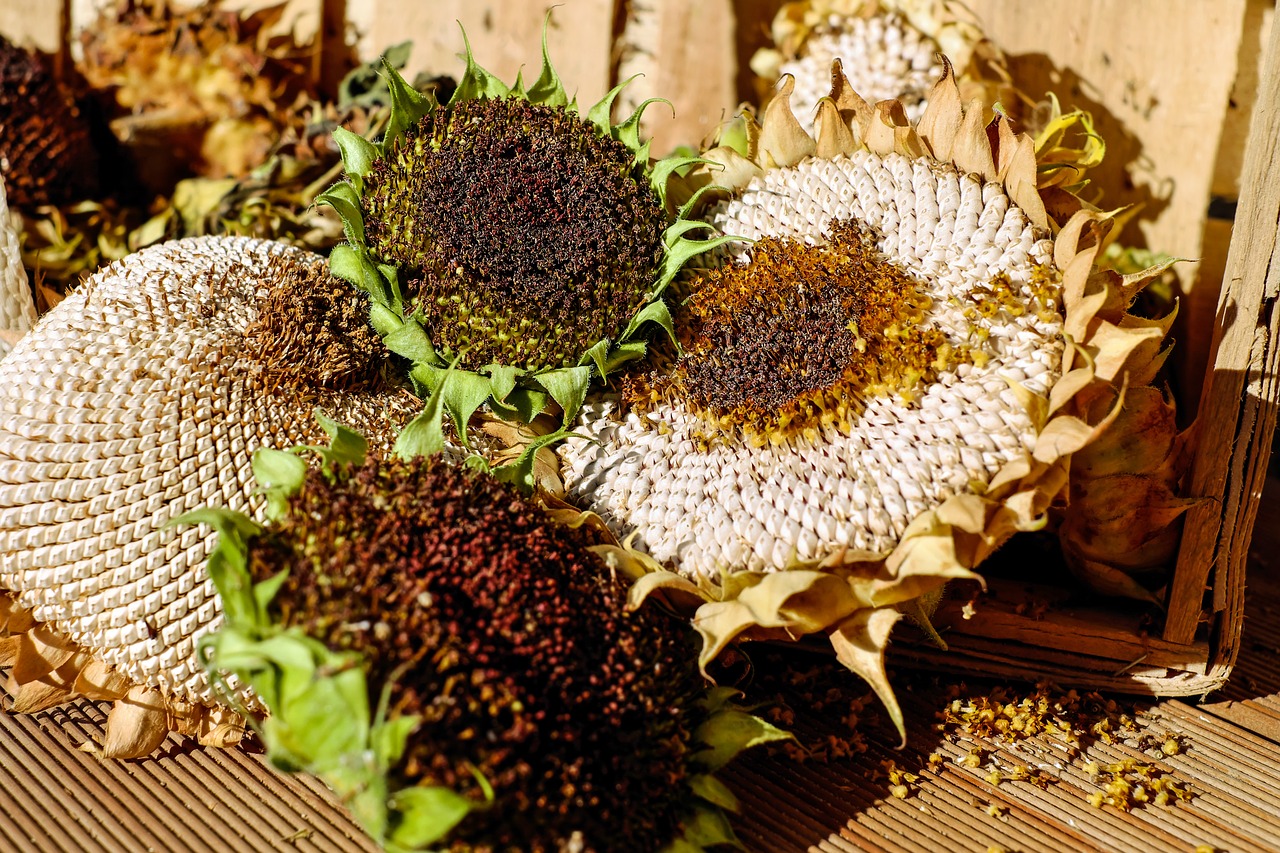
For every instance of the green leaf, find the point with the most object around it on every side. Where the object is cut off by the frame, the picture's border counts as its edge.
(686, 210)
(728, 732)
(385, 321)
(655, 312)
(346, 446)
(233, 650)
(228, 523)
(502, 380)
(713, 791)
(522, 404)
(265, 591)
(407, 105)
(228, 561)
(717, 697)
(413, 342)
(293, 654)
(709, 828)
(353, 264)
(428, 376)
(520, 472)
(363, 791)
(547, 89)
(623, 353)
(324, 724)
(568, 387)
(598, 355)
(364, 86)
(424, 435)
(345, 199)
(662, 170)
(477, 463)
(279, 474)
(426, 815)
(389, 738)
(464, 392)
(476, 82)
(628, 133)
(680, 249)
(358, 155)
(391, 276)
(601, 112)
(344, 262)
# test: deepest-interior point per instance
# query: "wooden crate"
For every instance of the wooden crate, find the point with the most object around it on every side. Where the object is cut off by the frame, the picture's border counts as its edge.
(1190, 109)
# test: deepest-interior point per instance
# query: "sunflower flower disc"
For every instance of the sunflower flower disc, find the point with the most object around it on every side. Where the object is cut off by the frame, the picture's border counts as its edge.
(889, 49)
(474, 679)
(511, 235)
(878, 392)
(139, 397)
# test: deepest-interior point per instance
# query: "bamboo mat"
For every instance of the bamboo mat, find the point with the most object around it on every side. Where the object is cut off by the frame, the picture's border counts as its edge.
(56, 798)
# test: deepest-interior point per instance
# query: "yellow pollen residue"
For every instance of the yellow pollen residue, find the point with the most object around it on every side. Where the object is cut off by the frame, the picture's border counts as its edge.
(1000, 298)
(797, 338)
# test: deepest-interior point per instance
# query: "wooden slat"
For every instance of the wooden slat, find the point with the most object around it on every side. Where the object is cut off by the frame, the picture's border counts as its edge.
(1038, 632)
(686, 54)
(40, 25)
(1161, 115)
(1258, 18)
(1237, 408)
(35, 24)
(54, 797)
(503, 35)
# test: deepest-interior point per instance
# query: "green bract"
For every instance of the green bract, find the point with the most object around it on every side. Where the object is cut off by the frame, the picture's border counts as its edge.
(432, 646)
(513, 233)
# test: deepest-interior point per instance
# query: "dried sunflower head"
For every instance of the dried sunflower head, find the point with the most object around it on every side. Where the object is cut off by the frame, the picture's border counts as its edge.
(462, 670)
(194, 88)
(889, 49)
(46, 154)
(894, 49)
(879, 392)
(140, 396)
(17, 309)
(512, 232)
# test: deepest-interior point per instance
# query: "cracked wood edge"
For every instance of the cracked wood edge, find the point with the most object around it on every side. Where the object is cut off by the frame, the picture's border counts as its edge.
(1238, 403)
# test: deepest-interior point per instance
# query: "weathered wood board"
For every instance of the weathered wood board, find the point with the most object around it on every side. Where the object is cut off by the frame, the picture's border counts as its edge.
(503, 36)
(1238, 411)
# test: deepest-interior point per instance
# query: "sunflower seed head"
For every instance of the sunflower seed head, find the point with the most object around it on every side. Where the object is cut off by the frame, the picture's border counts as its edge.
(506, 635)
(713, 505)
(882, 55)
(46, 154)
(140, 397)
(526, 235)
(889, 49)
(17, 310)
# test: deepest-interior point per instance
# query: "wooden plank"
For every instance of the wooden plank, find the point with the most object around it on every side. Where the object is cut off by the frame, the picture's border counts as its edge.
(686, 54)
(1237, 407)
(56, 797)
(1192, 354)
(1161, 115)
(503, 35)
(1025, 615)
(39, 25)
(1258, 18)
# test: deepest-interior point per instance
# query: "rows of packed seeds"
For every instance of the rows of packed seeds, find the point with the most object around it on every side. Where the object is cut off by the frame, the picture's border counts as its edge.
(407, 504)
